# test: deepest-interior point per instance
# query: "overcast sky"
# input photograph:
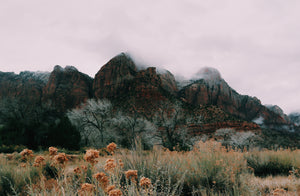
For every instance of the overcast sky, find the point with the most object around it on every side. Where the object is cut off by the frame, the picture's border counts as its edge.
(254, 44)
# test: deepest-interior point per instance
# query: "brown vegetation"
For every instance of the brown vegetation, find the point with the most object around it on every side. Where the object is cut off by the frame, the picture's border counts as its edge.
(209, 169)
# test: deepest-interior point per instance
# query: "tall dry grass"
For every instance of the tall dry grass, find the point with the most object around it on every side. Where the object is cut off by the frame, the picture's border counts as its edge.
(209, 169)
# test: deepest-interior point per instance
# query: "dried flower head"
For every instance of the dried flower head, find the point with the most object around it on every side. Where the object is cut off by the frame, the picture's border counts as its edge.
(77, 170)
(23, 165)
(110, 188)
(145, 182)
(91, 155)
(53, 151)
(131, 175)
(110, 165)
(84, 168)
(121, 164)
(102, 179)
(61, 158)
(50, 184)
(86, 188)
(279, 191)
(39, 161)
(10, 156)
(115, 192)
(111, 147)
(26, 153)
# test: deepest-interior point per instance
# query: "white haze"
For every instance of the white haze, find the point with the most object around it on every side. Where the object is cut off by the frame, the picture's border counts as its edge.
(254, 44)
(259, 120)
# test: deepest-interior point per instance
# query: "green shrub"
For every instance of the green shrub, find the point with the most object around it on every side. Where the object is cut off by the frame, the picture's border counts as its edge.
(50, 171)
(11, 148)
(269, 163)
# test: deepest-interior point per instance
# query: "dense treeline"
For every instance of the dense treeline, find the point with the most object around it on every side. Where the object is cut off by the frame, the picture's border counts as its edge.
(35, 126)
(97, 123)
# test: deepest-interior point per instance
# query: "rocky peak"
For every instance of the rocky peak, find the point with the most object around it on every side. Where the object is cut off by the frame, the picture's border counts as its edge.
(211, 89)
(113, 76)
(26, 86)
(68, 68)
(276, 109)
(208, 73)
(120, 75)
(40, 76)
(67, 88)
(295, 118)
(71, 69)
(58, 68)
(168, 81)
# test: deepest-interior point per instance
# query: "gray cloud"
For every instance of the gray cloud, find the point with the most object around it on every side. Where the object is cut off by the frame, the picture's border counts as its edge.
(253, 43)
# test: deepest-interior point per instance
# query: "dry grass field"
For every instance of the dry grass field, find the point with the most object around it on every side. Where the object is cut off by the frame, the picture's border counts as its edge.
(209, 169)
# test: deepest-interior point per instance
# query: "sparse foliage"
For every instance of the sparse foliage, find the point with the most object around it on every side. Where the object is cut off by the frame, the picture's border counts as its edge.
(171, 123)
(93, 120)
(240, 140)
(130, 128)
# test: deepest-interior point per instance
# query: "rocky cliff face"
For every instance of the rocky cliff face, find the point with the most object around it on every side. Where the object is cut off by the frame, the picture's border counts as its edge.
(120, 76)
(168, 82)
(208, 128)
(277, 110)
(120, 80)
(26, 86)
(113, 78)
(295, 118)
(211, 89)
(67, 88)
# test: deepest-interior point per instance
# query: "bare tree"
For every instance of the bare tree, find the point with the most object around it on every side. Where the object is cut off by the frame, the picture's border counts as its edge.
(93, 120)
(171, 122)
(129, 128)
(240, 140)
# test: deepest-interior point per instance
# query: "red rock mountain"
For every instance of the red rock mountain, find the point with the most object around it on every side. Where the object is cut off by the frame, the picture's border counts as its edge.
(120, 76)
(67, 88)
(27, 86)
(211, 89)
(120, 80)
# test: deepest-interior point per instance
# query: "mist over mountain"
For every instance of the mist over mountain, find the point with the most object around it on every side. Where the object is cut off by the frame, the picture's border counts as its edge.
(122, 81)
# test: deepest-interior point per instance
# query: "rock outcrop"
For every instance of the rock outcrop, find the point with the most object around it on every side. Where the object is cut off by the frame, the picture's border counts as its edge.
(208, 128)
(211, 89)
(67, 88)
(295, 118)
(120, 77)
(168, 82)
(114, 77)
(26, 86)
(120, 80)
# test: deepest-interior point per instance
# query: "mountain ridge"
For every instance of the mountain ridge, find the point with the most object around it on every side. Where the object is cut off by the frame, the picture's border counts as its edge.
(67, 88)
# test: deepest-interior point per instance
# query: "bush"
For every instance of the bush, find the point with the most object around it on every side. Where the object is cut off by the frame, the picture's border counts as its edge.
(50, 171)
(14, 182)
(270, 163)
(11, 148)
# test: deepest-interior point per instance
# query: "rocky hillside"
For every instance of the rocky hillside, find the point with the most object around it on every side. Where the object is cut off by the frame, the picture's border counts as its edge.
(67, 88)
(120, 76)
(207, 95)
(295, 118)
(27, 86)
(210, 89)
